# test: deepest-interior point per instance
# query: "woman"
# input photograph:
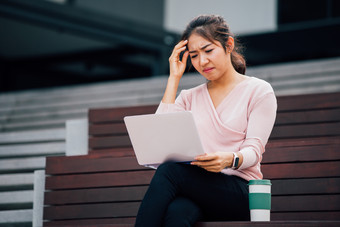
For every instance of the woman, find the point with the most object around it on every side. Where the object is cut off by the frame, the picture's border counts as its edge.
(234, 114)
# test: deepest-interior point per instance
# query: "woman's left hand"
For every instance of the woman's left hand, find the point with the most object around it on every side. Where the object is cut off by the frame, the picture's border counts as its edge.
(214, 162)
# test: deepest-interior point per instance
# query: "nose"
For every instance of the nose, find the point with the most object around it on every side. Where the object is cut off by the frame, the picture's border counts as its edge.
(203, 60)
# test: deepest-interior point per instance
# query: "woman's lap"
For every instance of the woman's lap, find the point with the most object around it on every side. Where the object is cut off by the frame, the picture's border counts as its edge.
(218, 196)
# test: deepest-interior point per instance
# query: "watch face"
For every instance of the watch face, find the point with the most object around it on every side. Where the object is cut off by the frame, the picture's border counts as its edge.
(236, 162)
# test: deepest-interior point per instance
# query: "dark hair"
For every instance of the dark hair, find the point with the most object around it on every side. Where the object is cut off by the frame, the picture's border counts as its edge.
(213, 27)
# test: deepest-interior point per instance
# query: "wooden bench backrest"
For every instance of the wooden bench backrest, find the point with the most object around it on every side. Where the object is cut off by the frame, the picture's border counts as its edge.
(302, 159)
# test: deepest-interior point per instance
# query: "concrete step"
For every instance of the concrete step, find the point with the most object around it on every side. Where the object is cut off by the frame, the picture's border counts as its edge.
(36, 149)
(21, 165)
(35, 125)
(128, 93)
(293, 69)
(135, 86)
(315, 82)
(14, 200)
(21, 218)
(45, 115)
(16, 181)
(81, 104)
(33, 136)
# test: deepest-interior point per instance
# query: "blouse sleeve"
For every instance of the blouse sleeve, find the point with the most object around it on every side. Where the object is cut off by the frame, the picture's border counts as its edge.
(180, 104)
(260, 124)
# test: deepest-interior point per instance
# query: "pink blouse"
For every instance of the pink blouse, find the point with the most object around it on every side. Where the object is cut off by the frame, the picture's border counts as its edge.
(242, 122)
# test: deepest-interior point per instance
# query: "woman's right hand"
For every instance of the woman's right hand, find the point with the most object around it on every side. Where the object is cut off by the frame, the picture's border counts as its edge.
(177, 66)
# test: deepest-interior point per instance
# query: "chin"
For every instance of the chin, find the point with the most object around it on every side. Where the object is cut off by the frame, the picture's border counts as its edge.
(211, 77)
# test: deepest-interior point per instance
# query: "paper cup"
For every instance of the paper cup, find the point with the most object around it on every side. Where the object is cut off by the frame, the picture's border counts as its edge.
(259, 200)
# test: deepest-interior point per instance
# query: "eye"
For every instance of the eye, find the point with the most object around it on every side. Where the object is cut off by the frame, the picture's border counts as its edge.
(193, 56)
(208, 51)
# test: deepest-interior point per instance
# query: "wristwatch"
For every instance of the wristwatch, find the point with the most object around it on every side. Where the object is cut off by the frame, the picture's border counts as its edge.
(235, 161)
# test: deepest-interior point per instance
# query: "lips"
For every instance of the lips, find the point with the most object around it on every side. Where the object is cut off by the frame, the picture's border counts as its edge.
(208, 70)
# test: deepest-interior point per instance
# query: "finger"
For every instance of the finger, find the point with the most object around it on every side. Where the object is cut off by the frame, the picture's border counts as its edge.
(176, 54)
(181, 44)
(205, 157)
(185, 56)
(204, 163)
(179, 50)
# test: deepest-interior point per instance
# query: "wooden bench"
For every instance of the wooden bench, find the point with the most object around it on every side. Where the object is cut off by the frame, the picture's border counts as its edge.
(302, 159)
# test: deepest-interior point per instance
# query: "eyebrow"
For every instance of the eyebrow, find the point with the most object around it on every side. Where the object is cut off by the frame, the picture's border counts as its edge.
(202, 48)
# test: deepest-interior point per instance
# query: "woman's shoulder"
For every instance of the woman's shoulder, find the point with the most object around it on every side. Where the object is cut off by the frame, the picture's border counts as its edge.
(259, 84)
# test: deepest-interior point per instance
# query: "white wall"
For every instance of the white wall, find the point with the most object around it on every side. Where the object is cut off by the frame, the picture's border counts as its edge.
(243, 16)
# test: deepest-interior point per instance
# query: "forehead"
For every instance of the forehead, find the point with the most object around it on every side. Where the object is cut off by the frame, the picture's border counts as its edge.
(196, 42)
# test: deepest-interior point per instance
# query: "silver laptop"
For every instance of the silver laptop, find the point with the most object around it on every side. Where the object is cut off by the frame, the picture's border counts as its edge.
(158, 138)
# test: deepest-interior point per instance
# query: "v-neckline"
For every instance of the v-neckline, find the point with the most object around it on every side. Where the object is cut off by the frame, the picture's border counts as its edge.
(226, 97)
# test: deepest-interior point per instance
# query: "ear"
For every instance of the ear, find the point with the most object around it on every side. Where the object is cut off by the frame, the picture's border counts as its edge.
(230, 44)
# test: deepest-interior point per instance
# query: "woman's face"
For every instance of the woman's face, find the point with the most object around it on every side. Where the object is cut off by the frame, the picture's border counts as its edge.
(209, 58)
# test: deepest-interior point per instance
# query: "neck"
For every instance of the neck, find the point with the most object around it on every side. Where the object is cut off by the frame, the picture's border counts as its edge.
(228, 79)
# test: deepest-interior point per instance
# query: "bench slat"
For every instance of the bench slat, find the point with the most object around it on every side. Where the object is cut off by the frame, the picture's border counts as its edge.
(66, 165)
(308, 102)
(113, 152)
(305, 203)
(109, 142)
(302, 153)
(301, 170)
(319, 215)
(306, 186)
(104, 210)
(107, 129)
(121, 222)
(298, 142)
(99, 180)
(96, 195)
(309, 130)
(308, 117)
(117, 114)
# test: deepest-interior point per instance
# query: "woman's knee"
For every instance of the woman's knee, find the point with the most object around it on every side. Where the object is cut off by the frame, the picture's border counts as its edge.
(182, 212)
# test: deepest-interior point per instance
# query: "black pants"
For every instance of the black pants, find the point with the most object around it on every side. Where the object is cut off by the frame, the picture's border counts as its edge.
(182, 194)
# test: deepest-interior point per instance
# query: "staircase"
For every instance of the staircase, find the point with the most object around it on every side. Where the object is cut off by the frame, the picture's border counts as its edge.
(32, 123)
